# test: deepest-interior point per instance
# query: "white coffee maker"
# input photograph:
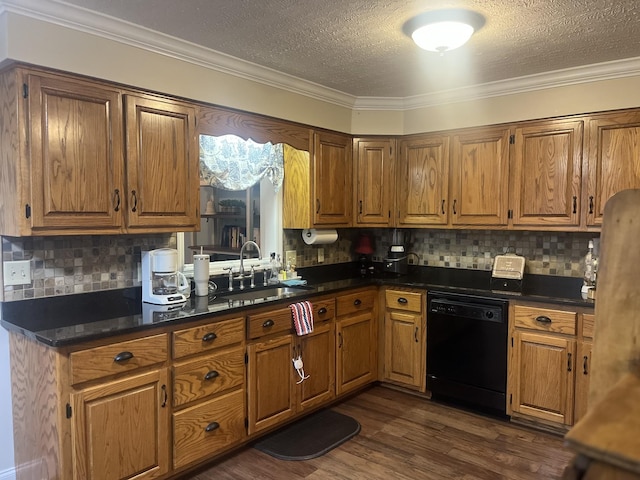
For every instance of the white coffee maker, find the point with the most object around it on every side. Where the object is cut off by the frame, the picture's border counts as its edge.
(162, 283)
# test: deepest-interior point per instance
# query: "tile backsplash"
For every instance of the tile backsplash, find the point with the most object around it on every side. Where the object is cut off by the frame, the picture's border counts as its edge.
(65, 265)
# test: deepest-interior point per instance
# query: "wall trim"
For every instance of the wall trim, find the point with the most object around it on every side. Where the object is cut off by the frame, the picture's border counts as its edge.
(9, 474)
(81, 19)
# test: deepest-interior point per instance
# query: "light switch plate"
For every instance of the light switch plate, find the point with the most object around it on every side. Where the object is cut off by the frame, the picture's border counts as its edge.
(320, 255)
(17, 272)
(290, 257)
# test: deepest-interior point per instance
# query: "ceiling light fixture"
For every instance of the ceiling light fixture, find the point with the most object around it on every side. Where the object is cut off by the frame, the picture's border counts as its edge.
(443, 30)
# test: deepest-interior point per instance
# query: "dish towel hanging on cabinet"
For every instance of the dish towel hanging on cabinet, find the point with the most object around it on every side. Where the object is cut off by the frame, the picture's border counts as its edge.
(302, 314)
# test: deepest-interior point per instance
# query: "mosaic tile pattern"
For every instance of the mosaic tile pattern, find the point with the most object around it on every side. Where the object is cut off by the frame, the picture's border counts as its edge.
(65, 265)
(547, 253)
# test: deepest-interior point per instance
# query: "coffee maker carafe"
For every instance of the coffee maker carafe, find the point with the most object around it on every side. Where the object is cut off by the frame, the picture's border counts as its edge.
(162, 283)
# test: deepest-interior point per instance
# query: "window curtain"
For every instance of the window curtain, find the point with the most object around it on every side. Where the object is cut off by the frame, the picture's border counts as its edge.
(233, 163)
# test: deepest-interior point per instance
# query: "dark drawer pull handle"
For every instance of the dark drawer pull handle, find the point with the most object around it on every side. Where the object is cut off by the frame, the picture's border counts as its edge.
(584, 365)
(317, 205)
(575, 204)
(268, 323)
(415, 335)
(357, 302)
(569, 362)
(212, 426)
(123, 357)
(591, 204)
(455, 211)
(403, 300)
(339, 339)
(543, 319)
(322, 311)
(443, 212)
(360, 207)
(165, 397)
(117, 195)
(209, 337)
(211, 375)
(134, 195)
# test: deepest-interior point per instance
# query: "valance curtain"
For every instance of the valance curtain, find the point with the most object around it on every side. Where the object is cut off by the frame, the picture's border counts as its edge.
(233, 163)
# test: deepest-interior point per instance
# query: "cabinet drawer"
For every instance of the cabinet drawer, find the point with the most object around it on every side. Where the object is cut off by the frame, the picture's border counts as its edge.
(548, 320)
(198, 432)
(399, 300)
(324, 310)
(116, 358)
(275, 321)
(199, 378)
(207, 337)
(588, 325)
(355, 302)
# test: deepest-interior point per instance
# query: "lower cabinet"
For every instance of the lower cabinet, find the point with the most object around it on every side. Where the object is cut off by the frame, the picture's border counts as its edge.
(356, 336)
(583, 365)
(548, 358)
(120, 429)
(404, 339)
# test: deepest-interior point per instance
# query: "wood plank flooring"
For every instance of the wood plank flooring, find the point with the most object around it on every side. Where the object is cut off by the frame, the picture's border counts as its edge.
(406, 437)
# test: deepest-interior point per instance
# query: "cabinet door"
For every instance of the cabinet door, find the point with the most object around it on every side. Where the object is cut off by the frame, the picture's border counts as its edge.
(356, 352)
(423, 181)
(332, 180)
(76, 155)
(614, 150)
(480, 177)
(162, 165)
(318, 356)
(270, 383)
(543, 376)
(404, 349)
(583, 370)
(121, 429)
(545, 181)
(374, 182)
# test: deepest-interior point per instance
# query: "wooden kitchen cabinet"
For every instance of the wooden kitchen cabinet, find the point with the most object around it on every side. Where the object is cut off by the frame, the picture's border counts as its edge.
(356, 340)
(163, 177)
(120, 429)
(613, 152)
(422, 182)
(542, 365)
(479, 192)
(405, 339)
(85, 157)
(583, 366)
(374, 176)
(546, 175)
(332, 180)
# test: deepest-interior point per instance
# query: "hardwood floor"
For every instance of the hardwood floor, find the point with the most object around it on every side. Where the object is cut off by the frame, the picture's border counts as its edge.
(406, 437)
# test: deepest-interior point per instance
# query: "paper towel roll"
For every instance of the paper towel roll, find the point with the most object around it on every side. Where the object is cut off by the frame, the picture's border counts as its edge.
(311, 236)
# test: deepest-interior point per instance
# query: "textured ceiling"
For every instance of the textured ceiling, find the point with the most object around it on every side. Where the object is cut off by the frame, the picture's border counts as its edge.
(358, 47)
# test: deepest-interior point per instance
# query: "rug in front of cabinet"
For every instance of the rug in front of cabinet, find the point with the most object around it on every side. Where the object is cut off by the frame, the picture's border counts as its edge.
(310, 437)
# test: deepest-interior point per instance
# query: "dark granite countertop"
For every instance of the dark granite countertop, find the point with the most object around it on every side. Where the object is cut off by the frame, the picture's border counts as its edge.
(70, 319)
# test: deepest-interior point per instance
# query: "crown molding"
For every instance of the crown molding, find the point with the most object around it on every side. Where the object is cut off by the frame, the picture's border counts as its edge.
(87, 21)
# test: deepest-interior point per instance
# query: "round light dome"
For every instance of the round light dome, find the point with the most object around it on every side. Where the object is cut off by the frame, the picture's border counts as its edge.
(442, 36)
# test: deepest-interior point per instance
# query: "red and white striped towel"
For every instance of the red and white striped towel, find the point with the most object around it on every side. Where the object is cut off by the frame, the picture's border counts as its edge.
(302, 314)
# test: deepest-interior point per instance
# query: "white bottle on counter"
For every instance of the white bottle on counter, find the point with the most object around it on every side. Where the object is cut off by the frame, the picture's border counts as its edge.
(589, 272)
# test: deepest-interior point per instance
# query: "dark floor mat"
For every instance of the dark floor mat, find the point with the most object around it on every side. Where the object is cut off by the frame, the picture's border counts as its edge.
(310, 437)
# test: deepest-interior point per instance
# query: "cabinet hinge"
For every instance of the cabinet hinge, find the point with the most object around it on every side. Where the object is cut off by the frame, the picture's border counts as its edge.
(246, 358)
(69, 411)
(27, 210)
(511, 399)
(25, 90)
(512, 139)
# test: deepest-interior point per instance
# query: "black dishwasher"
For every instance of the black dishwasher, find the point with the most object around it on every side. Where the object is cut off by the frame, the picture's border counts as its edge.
(467, 350)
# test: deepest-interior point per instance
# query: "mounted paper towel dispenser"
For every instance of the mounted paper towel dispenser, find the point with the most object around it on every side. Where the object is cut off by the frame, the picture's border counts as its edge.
(311, 236)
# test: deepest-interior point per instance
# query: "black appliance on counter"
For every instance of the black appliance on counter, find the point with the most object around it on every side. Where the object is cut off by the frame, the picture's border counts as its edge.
(467, 350)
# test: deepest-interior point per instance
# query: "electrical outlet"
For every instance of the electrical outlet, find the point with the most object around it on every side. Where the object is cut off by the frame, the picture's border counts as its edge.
(290, 257)
(320, 255)
(17, 272)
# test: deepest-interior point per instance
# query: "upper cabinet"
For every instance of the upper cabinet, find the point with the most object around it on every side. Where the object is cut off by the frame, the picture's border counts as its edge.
(613, 160)
(332, 180)
(480, 177)
(422, 183)
(546, 174)
(65, 163)
(373, 181)
(162, 170)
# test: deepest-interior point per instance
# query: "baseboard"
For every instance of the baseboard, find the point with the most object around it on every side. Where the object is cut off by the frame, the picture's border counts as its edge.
(9, 474)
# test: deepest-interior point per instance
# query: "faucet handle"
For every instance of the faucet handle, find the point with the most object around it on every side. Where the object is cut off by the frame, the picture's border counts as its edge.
(253, 276)
(230, 277)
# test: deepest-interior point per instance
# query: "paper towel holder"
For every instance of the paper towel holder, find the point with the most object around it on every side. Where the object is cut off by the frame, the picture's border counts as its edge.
(311, 236)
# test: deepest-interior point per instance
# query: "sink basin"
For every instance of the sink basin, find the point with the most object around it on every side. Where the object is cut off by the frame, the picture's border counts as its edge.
(264, 293)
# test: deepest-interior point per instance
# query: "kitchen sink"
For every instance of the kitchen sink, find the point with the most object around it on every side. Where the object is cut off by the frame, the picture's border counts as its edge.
(264, 293)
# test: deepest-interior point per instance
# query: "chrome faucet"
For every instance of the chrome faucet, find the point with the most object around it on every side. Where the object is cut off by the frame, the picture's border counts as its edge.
(241, 275)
